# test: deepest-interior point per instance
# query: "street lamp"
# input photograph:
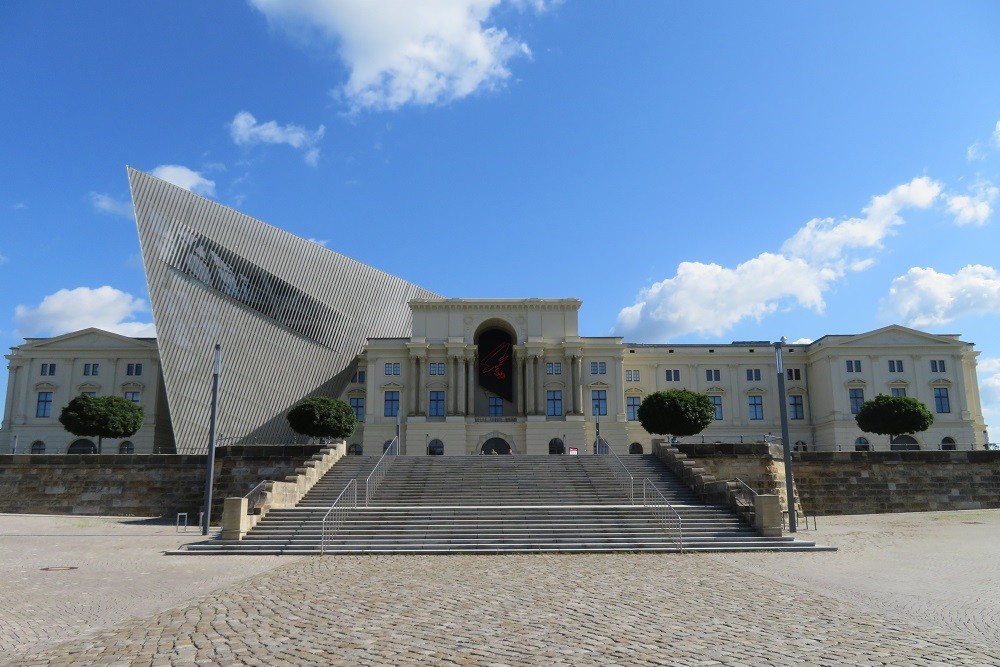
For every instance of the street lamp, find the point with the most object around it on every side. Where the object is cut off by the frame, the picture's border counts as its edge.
(786, 445)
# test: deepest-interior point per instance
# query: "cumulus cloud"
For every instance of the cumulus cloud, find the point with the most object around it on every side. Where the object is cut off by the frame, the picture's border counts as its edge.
(402, 52)
(72, 309)
(989, 388)
(108, 204)
(709, 298)
(924, 297)
(976, 208)
(975, 152)
(246, 131)
(185, 178)
(996, 135)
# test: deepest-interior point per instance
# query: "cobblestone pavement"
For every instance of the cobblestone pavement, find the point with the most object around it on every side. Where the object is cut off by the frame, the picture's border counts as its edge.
(917, 589)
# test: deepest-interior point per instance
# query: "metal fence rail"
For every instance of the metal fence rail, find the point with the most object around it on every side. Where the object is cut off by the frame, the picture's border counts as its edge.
(338, 513)
(621, 472)
(255, 497)
(664, 512)
(378, 472)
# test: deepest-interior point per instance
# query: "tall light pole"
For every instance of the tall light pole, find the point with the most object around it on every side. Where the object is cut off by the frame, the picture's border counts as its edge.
(213, 424)
(786, 445)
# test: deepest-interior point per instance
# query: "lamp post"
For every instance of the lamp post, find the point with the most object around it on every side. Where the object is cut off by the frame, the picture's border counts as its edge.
(786, 445)
(212, 427)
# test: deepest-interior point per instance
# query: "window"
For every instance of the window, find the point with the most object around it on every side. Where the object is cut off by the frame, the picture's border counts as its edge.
(358, 405)
(631, 376)
(632, 404)
(853, 365)
(38, 447)
(942, 403)
(391, 404)
(796, 408)
(598, 368)
(717, 402)
(895, 365)
(755, 405)
(556, 446)
(599, 402)
(553, 403)
(635, 448)
(133, 369)
(857, 398)
(793, 373)
(436, 368)
(496, 406)
(91, 394)
(753, 375)
(48, 369)
(126, 448)
(358, 377)
(673, 375)
(713, 374)
(862, 445)
(435, 448)
(937, 366)
(133, 396)
(553, 368)
(436, 408)
(44, 406)
(898, 391)
(91, 369)
(948, 444)
(392, 368)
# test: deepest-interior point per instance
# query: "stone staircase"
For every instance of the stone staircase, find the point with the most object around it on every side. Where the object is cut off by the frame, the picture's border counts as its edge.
(494, 504)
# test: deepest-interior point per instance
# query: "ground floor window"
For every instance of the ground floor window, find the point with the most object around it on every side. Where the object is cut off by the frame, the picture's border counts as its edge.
(632, 404)
(355, 449)
(717, 402)
(553, 403)
(358, 405)
(755, 407)
(38, 447)
(44, 406)
(862, 445)
(436, 408)
(556, 446)
(391, 404)
(82, 447)
(435, 448)
(126, 448)
(635, 448)
(796, 407)
(599, 402)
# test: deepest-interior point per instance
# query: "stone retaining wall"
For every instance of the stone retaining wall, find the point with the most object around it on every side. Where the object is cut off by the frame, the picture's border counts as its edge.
(139, 484)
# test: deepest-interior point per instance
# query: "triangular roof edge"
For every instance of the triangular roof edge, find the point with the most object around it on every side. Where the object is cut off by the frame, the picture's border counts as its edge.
(139, 341)
(841, 339)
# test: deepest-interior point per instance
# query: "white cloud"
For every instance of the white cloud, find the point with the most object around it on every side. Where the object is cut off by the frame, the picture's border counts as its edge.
(989, 389)
(108, 204)
(975, 152)
(19, 206)
(402, 52)
(246, 131)
(72, 309)
(2, 259)
(709, 298)
(924, 297)
(321, 242)
(996, 135)
(185, 178)
(975, 208)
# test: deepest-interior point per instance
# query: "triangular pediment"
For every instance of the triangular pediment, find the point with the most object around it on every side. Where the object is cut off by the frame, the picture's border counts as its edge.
(892, 336)
(91, 338)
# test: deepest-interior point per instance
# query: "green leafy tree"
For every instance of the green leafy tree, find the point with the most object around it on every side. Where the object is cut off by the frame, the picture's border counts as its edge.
(893, 416)
(101, 417)
(676, 412)
(323, 417)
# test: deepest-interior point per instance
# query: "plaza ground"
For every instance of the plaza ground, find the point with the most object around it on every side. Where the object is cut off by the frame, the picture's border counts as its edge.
(903, 589)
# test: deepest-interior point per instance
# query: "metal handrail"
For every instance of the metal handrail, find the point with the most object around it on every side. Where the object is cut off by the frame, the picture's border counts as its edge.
(663, 511)
(339, 512)
(255, 494)
(620, 471)
(378, 472)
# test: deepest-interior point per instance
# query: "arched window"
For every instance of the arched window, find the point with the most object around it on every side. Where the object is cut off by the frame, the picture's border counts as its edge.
(861, 445)
(948, 443)
(435, 448)
(386, 445)
(126, 448)
(356, 449)
(556, 446)
(801, 446)
(904, 443)
(82, 446)
(635, 448)
(38, 447)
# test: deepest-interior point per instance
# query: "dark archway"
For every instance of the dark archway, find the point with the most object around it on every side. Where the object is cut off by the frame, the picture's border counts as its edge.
(496, 446)
(435, 448)
(635, 448)
(356, 449)
(904, 443)
(82, 446)
(556, 446)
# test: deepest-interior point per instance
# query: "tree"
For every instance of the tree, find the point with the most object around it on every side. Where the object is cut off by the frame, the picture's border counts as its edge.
(323, 417)
(101, 417)
(676, 412)
(893, 416)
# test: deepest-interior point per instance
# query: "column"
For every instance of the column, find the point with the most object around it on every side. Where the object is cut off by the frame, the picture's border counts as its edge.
(519, 364)
(529, 384)
(412, 384)
(540, 385)
(9, 401)
(578, 387)
(470, 389)
(570, 385)
(452, 384)
(620, 389)
(460, 385)
(422, 387)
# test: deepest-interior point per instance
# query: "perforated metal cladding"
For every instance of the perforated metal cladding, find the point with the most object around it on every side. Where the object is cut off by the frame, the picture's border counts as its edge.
(291, 315)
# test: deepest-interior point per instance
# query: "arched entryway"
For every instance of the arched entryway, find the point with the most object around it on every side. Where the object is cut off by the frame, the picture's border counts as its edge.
(556, 446)
(82, 447)
(496, 446)
(355, 449)
(904, 443)
(635, 448)
(435, 448)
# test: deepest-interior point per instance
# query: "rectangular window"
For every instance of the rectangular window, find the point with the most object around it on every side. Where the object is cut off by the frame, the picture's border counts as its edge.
(631, 376)
(553, 368)
(392, 369)
(898, 391)
(632, 404)
(793, 373)
(602, 368)
(436, 407)
(391, 403)
(44, 406)
(895, 365)
(717, 402)
(133, 369)
(599, 402)
(853, 365)
(796, 408)
(942, 403)
(857, 398)
(48, 369)
(496, 406)
(133, 396)
(358, 405)
(673, 375)
(91, 369)
(753, 375)
(755, 405)
(553, 403)
(713, 374)
(358, 377)
(937, 366)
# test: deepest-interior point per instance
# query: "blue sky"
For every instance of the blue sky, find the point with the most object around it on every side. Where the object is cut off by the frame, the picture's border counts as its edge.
(697, 171)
